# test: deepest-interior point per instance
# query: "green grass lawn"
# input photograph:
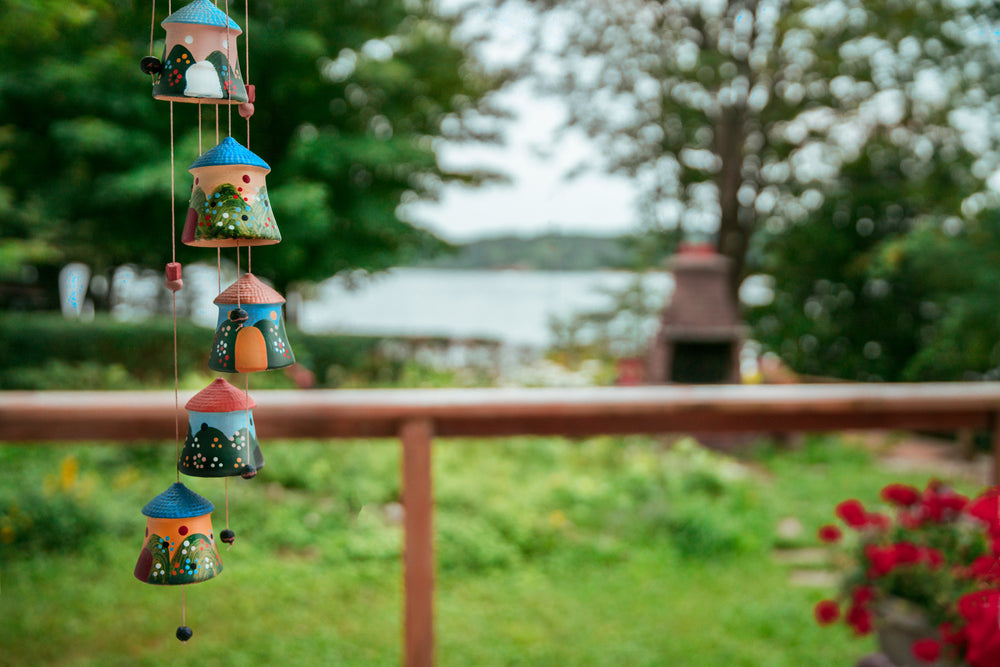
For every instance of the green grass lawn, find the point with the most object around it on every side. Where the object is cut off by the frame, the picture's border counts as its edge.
(609, 551)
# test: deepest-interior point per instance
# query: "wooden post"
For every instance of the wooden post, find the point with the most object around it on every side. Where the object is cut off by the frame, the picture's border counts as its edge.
(995, 445)
(418, 547)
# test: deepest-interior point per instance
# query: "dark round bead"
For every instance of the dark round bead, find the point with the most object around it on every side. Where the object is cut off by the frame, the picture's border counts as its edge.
(238, 315)
(151, 65)
(228, 536)
(249, 472)
(184, 633)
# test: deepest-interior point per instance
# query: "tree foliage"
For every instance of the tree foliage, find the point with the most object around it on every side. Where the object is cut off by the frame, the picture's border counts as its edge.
(805, 136)
(350, 98)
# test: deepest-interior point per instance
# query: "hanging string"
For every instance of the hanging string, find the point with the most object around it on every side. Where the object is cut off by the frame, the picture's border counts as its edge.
(246, 42)
(177, 384)
(238, 296)
(173, 186)
(227, 511)
(246, 396)
(231, 75)
(173, 259)
(200, 149)
(183, 606)
(152, 22)
(249, 259)
(218, 252)
(216, 124)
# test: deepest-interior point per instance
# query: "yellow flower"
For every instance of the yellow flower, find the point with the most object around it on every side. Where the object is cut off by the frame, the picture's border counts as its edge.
(557, 519)
(69, 470)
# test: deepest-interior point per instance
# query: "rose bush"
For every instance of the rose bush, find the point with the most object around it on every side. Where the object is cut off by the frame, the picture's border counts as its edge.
(939, 552)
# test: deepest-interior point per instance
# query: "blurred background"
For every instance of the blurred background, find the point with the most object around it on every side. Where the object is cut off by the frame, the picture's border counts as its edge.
(494, 192)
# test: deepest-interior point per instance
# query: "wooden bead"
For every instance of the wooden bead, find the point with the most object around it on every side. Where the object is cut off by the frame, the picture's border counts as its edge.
(151, 65)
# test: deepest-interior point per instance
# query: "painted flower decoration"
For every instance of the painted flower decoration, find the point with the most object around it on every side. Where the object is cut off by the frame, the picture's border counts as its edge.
(936, 551)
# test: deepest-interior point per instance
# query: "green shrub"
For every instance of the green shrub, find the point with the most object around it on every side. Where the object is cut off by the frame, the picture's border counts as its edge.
(48, 351)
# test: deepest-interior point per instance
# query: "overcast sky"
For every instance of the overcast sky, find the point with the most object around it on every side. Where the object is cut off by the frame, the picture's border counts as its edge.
(539, 198)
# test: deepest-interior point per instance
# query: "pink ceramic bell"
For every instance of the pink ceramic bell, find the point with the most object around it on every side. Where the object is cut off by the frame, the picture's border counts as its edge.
(200, 62)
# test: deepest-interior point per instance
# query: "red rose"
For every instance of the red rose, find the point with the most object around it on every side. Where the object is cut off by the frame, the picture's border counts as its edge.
(926, 650)
(826, 612)
(860, 619)
(906, 553)
(878, 521)
(882, 559)
(950, 635)
(979, 609)
(900, 494)
(938, 501)
(986, 568)
(830, 533)
(955, 502)
(863, 595)
(986, 508)
(852, 512)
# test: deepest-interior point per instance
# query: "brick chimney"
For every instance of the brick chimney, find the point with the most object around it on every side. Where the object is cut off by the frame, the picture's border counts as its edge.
(700, 333)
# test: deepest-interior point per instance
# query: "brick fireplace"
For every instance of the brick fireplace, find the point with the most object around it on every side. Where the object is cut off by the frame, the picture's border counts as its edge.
(700, 333)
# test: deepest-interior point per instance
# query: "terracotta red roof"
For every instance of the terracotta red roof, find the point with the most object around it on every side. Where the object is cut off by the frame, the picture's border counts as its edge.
(220, 396)
(249, 289)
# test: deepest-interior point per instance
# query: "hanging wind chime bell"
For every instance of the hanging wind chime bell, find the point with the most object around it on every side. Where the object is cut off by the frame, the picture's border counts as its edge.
(200, 62)
(229, 203)
(221, 439)
(180, 545)
(250, 334)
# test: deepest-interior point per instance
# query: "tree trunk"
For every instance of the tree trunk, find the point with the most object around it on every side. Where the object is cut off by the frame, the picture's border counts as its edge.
(734, 235)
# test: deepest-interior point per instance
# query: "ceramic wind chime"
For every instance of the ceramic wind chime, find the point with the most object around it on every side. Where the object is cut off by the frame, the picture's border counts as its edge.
(229, 208)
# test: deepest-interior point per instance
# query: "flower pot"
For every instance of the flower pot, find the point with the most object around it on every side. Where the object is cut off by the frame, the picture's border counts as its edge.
(899, 624)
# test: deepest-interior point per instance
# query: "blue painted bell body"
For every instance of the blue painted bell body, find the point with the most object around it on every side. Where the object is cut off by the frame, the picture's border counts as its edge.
(250, 304)
(222, 438)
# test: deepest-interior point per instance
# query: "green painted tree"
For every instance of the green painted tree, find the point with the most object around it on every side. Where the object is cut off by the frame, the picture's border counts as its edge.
(350, 97)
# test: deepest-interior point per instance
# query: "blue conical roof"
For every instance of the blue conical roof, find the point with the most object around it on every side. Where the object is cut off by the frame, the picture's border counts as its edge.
(177, 502)
(201, 12)
(229, 152)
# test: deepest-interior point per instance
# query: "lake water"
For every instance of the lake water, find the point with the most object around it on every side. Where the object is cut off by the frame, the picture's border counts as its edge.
(512, 307)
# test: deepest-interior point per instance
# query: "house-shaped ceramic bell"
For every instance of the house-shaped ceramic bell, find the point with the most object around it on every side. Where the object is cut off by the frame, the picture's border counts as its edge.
(180, 545)
(200, 61)
(222, 438)
(229, 203)
(250, 334)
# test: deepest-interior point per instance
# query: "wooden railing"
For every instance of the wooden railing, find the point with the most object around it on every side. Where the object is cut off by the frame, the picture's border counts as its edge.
(416, 417)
